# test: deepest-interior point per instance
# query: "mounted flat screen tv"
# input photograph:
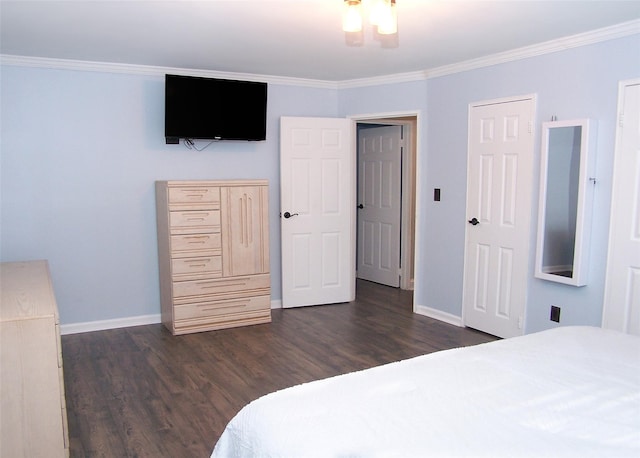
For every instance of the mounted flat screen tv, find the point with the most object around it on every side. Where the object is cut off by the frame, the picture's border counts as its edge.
(214, 109)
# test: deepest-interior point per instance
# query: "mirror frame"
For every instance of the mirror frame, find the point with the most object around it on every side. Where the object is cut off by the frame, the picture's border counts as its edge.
(586, 185)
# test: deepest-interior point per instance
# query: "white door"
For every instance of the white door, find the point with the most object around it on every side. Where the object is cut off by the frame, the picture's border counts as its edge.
(379, 204)
(499, 187)
(317, 205)
(622, 290)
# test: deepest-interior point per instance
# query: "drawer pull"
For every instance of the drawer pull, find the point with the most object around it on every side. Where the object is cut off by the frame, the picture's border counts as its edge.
(195, 194)
(219, 284)
(197, 240)
(228, 305)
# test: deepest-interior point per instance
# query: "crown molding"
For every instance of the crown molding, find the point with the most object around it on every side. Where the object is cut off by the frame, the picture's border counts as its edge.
(561, 44)
(596, 36)
(150, 70)
(384, 79)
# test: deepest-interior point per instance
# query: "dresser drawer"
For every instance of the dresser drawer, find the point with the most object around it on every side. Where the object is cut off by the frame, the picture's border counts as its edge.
(195, 218)
(196, 242)
(195, 195)
(205, 265)
(246, 285)
(224, 307)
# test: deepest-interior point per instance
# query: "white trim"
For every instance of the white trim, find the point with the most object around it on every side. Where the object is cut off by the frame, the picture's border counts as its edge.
(89, 326)
(383, 117)
(131, 69)
(384, 79)
(102, 325)
(595, 36)
(414, 126)
(561, 44)
(500, 100)
(438, 315)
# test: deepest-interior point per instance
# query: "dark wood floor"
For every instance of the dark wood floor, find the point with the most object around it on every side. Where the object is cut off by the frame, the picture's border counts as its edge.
(141, 392)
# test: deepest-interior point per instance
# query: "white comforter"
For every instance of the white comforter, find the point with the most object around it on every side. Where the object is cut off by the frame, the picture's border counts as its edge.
(572, 391)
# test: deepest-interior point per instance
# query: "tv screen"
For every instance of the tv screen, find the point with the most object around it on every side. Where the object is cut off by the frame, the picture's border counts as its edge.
(214, 109)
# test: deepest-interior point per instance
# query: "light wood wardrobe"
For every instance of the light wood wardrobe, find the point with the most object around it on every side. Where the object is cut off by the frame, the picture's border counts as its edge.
(213, 247)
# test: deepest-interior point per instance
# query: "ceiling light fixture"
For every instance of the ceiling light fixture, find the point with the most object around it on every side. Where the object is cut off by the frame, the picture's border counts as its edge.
(382, 14)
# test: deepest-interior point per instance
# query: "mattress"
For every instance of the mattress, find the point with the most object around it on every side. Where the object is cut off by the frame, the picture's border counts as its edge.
(569, 391)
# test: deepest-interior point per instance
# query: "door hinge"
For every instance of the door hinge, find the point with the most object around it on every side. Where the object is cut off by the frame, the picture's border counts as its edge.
(530, 127)
(621, 120)
(519, 322)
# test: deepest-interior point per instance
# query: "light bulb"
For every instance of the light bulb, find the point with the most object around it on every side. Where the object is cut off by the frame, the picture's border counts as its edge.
(352, 16)
(388, 24)
(378, 10)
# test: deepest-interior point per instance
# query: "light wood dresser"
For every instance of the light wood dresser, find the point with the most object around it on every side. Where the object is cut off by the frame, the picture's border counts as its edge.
(33, 415)
(213, 251)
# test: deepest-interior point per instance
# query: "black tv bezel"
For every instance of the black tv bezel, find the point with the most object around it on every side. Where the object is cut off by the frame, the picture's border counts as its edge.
(234, 91)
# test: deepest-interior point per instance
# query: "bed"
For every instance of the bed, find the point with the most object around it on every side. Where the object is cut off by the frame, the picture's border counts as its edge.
(570, 391)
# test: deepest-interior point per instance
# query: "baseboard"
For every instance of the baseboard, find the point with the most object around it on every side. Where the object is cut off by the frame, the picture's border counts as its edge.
(438, 315)
(76, 328)
(102, 325)
(277, 304)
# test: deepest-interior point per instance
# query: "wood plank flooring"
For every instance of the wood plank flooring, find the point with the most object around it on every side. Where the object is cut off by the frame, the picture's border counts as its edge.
(141, 392)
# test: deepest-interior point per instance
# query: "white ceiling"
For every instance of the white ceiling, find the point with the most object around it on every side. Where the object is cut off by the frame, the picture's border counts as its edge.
(291, 38)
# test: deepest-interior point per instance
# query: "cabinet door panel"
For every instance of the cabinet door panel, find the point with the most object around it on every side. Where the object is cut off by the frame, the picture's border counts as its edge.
(245, 238)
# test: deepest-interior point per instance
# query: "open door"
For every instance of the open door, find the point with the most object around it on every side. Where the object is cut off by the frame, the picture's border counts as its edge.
(317, 204)
(379, 204)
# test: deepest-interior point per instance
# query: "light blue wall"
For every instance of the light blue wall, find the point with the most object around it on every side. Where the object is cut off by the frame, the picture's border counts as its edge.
(575, 83)
(80, 152)
(387, 98)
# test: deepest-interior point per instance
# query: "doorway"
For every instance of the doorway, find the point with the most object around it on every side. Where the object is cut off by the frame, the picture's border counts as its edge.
(386, 224)
(318, 206)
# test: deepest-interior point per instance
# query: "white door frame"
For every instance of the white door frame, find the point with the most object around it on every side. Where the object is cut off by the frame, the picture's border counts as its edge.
(410, 192)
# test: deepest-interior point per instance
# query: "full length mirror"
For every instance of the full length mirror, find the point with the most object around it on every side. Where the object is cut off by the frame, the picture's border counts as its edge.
(566, 194)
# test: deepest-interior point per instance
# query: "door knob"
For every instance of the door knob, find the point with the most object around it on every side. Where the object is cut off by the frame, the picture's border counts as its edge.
(289, 215)
(361, 206)
(474, 221)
